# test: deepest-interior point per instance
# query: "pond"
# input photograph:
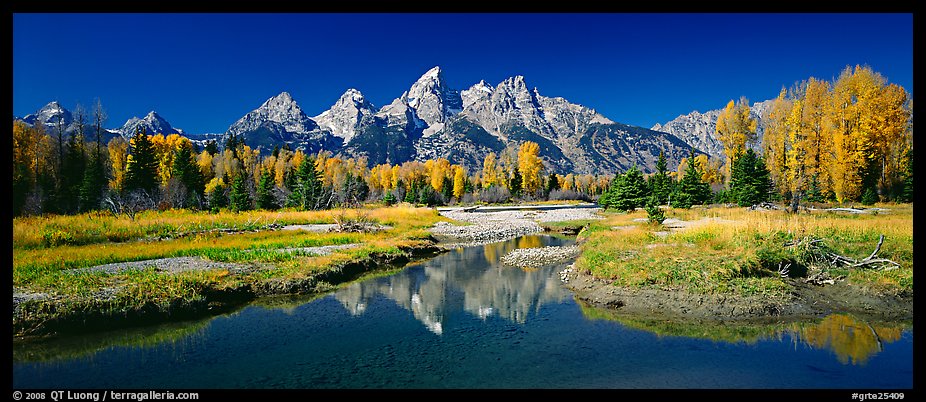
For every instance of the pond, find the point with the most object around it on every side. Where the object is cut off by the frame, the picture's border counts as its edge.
(465, 320)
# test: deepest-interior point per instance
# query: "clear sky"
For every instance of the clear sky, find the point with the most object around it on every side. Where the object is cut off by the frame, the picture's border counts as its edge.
(202, 72)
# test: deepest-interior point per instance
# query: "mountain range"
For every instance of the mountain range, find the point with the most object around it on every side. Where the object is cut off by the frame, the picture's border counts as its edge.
(431, 120)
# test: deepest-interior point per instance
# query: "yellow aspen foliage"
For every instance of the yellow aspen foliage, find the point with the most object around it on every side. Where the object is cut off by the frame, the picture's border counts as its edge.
(281, 166)
(119, 159)
(797, 154)
(816, 143)
(386, 179)
(296, 160)
(530, 166)
(735, 129)
(395, 177)
(204, 163)
(845, 134)
(491, 174)
(569, 182)
(215, 182)
(775, 141)
(437, 170)
(459, 181)
(26, 151)
(682, 167)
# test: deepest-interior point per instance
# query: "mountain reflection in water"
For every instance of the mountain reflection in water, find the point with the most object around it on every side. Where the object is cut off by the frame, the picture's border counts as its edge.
(473, 277)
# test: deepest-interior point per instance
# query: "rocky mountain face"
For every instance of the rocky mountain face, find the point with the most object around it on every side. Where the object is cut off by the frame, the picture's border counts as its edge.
(49, 115)
(699, 129)
(152, 123)
(432, 120)
(280, 120)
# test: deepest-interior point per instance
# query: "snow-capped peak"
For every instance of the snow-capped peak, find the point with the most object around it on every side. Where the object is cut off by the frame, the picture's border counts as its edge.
(48, 115)
(151, 124)
(280, 110)
(433, 73)
(347, 115)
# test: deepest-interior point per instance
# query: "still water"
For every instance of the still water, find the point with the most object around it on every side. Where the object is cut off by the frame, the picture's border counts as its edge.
(464, 320)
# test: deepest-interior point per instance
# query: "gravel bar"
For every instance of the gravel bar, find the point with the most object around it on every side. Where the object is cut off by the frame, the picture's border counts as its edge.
(535, 257)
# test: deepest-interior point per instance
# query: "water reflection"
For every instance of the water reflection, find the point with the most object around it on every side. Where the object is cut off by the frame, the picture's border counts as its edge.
(179, 335)
(472, 277)
(852, 340)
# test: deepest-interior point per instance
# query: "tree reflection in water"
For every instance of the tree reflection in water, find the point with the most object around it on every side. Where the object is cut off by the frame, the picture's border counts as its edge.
(852, 340)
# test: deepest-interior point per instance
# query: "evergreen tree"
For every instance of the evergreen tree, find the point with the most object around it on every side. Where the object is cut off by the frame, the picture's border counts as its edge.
(654, 214)
(411, 195)
(691, 189)
(447, 189)
(627, 191)
(660, 183)
(265, 198)
(72, 173)
(142, 170)
(552, 184)
(307, 190)
(239, 197)
(184, 168)
(232, 143)
(218, 199)
(514, 185)
(749, 180)
(93, 185)
(212, 147)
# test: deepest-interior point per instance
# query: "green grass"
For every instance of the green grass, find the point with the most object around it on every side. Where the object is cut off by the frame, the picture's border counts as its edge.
(734, 250)
(48, 269)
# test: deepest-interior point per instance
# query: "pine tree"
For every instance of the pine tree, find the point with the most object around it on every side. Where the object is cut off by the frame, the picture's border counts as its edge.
(514, 185)
(691, 189)
(552, 184)
(629, 191)
(212, 147)
(185, 168)
(749, 182)
(660, 183)
(93, 184)
(142, 170)
(239, 197)
(217, 198)
(265, 198)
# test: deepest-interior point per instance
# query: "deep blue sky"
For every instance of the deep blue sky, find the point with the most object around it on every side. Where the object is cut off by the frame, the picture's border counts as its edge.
(204, 71)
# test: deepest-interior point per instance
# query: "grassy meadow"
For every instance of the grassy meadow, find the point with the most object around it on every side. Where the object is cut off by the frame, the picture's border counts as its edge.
(86, 240)
(738, 251)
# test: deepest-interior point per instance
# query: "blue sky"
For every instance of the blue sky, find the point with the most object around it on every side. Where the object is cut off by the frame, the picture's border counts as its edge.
(204, 71)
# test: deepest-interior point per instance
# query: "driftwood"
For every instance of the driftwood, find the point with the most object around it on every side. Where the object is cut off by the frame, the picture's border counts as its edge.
(822, 254)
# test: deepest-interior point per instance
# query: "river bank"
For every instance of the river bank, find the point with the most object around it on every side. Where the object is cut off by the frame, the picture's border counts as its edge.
(726, 264)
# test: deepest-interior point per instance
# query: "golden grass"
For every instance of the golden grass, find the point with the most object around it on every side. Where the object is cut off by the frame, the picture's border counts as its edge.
(737, 250)
(41, 267)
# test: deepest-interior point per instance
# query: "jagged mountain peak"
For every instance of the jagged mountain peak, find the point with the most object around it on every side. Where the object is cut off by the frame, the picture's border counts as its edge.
(279, 118)
(347, 116)
(151, 124)
(434, 73)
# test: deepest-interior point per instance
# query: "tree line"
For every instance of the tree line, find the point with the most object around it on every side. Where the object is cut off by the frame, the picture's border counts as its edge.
(57, 173)
(850, 140)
